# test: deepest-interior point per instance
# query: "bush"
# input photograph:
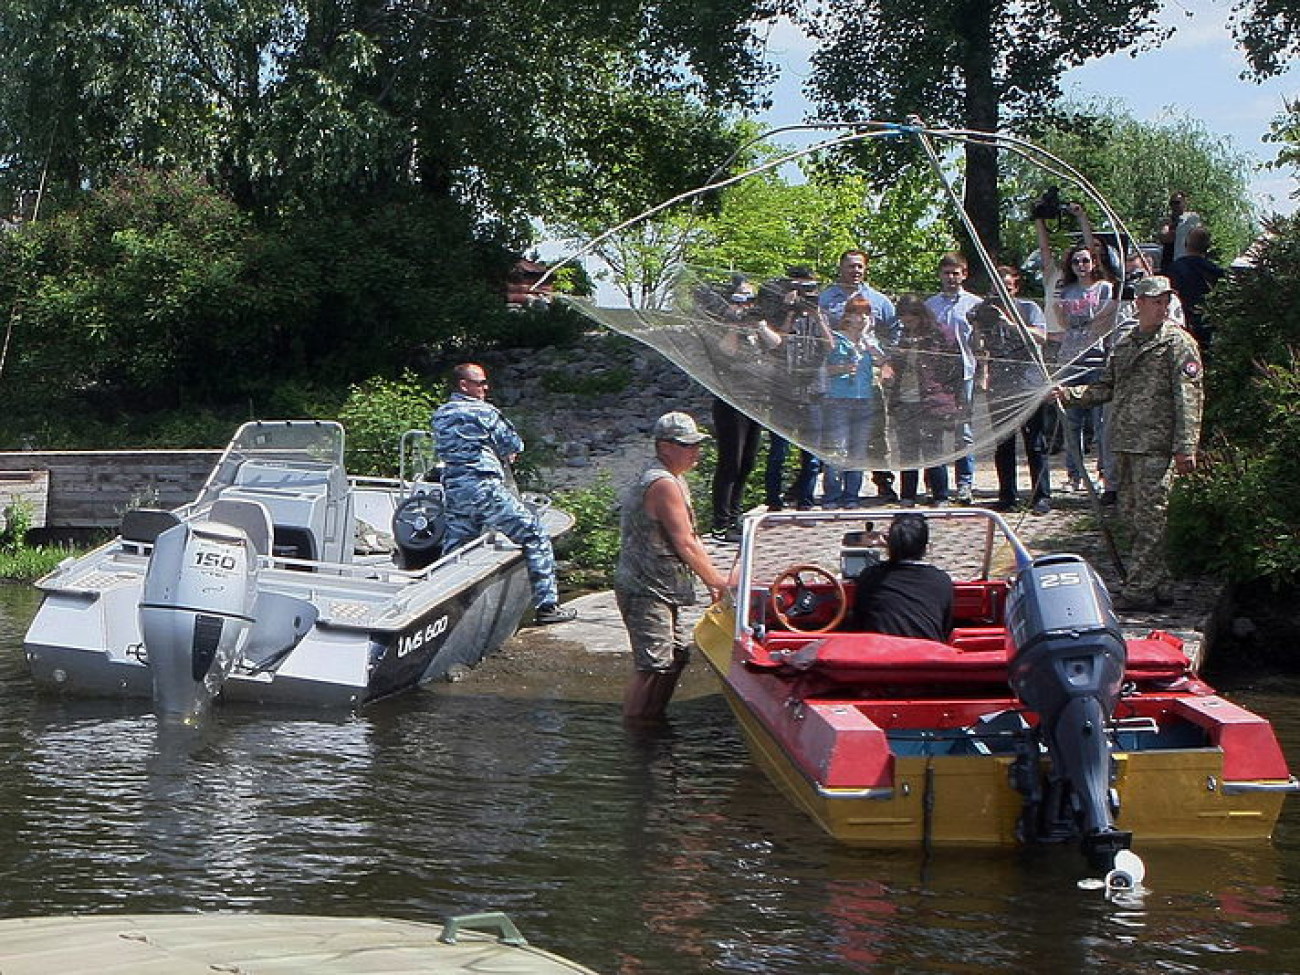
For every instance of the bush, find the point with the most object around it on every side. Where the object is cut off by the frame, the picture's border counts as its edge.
(1238, 516)
(376, 415)
(591, 546)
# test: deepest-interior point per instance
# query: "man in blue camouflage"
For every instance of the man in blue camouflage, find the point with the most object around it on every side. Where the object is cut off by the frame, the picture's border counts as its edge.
(476, 444)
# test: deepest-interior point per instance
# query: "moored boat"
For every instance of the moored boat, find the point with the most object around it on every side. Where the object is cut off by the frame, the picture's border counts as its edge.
(285, 582)
(174, 944)
(1035, 721)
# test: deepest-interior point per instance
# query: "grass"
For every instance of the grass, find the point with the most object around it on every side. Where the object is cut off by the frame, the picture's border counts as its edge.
(27, 563)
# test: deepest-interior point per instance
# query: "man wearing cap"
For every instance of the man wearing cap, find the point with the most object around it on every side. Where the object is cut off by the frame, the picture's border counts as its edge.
(659, 557)
(476, 444)
(1153, 381)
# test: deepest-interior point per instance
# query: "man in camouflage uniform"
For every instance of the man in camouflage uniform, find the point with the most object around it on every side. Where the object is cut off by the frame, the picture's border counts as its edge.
(1153, 381)
(475, 444)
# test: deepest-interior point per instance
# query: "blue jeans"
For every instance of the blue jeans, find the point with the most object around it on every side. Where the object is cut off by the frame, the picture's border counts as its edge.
(847, 426)
(809, 467)
(964, 467)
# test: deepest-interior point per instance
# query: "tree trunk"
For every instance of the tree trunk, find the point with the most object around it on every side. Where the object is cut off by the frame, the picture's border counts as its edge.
(981, 113)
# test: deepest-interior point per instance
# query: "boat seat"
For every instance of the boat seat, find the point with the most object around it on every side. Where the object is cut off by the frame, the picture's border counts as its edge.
(973, 656)
(877, 658)
(251, 517)
(144, 525)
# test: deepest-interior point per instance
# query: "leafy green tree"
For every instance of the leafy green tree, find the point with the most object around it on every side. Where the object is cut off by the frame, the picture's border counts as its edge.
(768, 222)
(1135, 165)
(1237, 516)
(1268, 31)
(1285, 131)
(504, 107)
(977, 64)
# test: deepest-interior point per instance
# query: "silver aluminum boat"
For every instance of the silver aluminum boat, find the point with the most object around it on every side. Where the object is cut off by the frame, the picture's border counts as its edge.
(285, 582)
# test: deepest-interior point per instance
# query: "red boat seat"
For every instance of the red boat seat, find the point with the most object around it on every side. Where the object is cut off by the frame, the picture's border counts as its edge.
(973, 656)
(978, 603)
(875, 658)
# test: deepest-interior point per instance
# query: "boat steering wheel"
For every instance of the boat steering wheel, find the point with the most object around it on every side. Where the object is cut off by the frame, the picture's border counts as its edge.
(805, 599)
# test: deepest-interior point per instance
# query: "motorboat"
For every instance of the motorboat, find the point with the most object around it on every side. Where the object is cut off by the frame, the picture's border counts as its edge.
(174, 944)
(1037, 720)
(286, 581)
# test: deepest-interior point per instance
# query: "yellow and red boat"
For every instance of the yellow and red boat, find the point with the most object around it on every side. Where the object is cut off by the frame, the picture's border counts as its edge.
(1036, 721)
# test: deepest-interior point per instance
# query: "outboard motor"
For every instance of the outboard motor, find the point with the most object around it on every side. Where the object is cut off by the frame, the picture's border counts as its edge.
(200, 590)
(419, 524)
(1068, 667)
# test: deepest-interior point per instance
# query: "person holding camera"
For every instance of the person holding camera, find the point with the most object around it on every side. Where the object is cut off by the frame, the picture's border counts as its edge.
(924, 401)
(851, 282)
(746, 340)
(1011, 351)
(804, 340)
(951, 306)
(1081, 316)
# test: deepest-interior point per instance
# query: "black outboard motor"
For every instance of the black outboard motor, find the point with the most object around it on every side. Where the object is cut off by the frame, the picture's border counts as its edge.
(1068, 667)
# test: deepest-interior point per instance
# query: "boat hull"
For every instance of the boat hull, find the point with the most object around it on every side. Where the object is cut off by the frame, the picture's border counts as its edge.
(904, 772)
(174, 944)
(332, 617)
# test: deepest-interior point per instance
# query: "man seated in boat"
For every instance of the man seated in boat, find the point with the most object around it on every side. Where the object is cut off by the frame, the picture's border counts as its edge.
(905, 595)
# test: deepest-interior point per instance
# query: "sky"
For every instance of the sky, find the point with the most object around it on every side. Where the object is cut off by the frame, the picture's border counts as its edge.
(1194, 74)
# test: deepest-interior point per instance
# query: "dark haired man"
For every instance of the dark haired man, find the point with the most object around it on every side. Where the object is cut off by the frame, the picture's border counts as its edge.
(1193, 276)
(905, 595)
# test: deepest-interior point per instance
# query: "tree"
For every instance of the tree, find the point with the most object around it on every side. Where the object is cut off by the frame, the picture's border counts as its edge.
(1135, 165)
(978, 64)
(1285, 131)
(314, 103)
(1269, 33)
(768, 222)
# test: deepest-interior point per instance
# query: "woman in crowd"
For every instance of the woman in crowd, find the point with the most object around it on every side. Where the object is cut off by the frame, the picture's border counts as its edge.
(1081, 314)
(849, 405)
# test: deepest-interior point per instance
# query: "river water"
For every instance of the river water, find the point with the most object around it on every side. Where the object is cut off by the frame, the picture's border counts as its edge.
(664, 853)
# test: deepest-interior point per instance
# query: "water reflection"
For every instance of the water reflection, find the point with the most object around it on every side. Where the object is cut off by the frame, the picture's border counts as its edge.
(658, 852)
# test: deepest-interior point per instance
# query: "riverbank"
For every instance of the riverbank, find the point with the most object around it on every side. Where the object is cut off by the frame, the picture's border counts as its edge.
(591, 407)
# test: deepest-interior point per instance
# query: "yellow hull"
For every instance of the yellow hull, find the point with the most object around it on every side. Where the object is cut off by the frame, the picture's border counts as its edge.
(1167, 795)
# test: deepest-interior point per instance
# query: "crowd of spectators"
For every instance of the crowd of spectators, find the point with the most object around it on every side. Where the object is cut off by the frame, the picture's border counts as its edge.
(846, 372)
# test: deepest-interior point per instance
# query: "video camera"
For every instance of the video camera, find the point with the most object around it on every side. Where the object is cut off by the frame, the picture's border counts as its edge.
(1049, 206)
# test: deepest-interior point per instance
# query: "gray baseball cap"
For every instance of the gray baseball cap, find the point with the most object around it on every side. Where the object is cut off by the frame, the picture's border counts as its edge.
(679, 428)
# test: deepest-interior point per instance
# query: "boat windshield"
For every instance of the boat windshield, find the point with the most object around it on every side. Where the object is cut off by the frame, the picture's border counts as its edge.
(297, 445)
(968, 543)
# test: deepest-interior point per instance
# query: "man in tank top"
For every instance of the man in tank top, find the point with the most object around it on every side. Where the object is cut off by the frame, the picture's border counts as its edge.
(659, 557)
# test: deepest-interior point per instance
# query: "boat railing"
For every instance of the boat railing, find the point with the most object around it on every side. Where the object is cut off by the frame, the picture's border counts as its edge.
(995, 533)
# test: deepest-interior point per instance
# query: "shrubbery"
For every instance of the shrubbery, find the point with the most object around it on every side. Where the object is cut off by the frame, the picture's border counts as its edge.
(1239, 516)
(156, 297)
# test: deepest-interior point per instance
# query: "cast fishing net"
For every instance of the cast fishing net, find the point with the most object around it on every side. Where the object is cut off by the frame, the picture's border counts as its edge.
(892, 396)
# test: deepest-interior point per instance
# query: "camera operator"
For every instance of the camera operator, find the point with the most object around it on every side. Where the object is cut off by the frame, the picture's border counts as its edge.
(804, 340)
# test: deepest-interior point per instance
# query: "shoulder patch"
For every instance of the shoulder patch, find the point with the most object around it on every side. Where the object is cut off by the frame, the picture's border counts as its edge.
(1192, 369)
